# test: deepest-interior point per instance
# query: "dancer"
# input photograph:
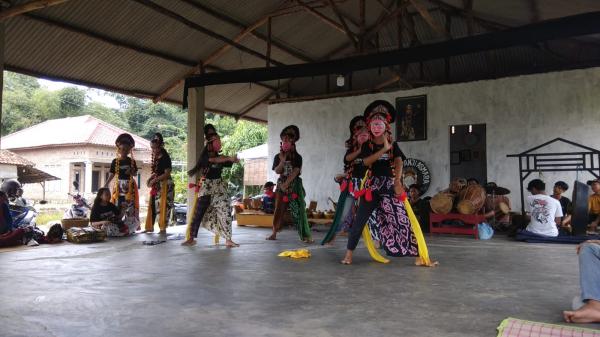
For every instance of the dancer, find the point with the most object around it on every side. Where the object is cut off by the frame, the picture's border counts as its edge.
(350, 183)
(162, 188)
(384, 203)
(125, 193)
(212, 208)
(290, 192)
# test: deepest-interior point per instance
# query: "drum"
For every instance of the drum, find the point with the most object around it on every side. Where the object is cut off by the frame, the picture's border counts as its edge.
(441, 203)
(503, 208)
(471, 199)
(579, 219)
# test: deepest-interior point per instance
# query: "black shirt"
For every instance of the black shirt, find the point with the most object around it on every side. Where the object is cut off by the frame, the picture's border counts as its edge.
(124, 164)
(565, 204)
(290, 164)
(164, 163)
(381, 167)
(212, 170)
(104, 213)
(358, 168)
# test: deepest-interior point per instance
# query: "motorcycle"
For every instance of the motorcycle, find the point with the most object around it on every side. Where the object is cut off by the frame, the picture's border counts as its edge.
(80, 207)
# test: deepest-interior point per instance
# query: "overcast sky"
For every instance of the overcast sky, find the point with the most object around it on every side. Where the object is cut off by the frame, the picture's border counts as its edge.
(96, 95)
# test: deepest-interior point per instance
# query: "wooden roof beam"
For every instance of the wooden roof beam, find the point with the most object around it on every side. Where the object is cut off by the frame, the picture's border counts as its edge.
(166, 12)
(347, 30)
(234, 22)
(28, 7)
(429, 19)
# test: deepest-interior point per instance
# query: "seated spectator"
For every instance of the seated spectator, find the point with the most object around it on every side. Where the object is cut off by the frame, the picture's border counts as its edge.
(561, 187)
(498, 220)
(543, 212)
(589, 278)
(268, 198)
(106, 216)
(6, 222)
(420, 207)
(594, 205)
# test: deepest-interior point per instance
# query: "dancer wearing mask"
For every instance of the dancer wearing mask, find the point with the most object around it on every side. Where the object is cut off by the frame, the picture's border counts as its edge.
(212, 209)
(350, 184)
(384, 199)
(290, 192)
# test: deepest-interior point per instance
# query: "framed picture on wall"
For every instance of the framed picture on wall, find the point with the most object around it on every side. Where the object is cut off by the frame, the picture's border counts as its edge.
(411, 121)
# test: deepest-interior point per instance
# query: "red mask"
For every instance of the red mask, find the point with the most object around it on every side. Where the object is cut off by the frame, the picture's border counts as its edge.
(216, 145)
(286, 146)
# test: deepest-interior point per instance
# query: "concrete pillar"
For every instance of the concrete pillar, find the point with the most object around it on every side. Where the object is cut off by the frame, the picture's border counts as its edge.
(1, 68)
(87, 185)
(195, 136)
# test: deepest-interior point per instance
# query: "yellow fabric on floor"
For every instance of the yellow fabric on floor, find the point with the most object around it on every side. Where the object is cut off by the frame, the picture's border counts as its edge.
(296, 254)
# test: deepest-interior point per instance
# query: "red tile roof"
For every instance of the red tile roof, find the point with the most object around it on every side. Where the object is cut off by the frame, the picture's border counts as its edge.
(69, 131)
(11, 158)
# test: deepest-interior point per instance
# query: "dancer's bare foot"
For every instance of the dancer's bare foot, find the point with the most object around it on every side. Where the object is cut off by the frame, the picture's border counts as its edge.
(164, 231)
(348, 258)
(190, 242)
(148, 232)
(330, 243)
(231, 244)
(272, 237)
(589, 313)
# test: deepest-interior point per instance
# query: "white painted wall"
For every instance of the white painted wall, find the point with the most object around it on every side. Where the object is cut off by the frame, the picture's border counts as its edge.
(520, 113)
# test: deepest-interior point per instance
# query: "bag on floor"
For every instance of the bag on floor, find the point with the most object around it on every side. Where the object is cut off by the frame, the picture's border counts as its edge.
(85, 235)
(485, 231)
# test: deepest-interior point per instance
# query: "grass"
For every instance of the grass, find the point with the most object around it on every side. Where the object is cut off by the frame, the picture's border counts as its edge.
(52, 216)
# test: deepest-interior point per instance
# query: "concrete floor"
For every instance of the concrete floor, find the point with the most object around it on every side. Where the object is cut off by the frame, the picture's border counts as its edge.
(124, 288)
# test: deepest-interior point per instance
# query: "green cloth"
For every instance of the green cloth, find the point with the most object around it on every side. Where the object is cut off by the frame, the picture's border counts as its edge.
(337, 220)
(298, 209)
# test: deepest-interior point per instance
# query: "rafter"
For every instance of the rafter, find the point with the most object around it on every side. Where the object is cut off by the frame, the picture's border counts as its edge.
(169, 13)
(428, 18)
(321, 16)
(347, 30)
(28, 7)
(234, 22)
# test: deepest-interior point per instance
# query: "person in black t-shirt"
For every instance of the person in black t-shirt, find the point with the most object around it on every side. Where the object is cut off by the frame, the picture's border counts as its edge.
(213, 207)
(162, 188)
(106, 216)
(349, 185)
(125, 192)
(382, 205)
(289, 192)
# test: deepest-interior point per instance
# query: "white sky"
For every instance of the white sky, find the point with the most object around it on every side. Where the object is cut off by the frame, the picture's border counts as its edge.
(95, 95)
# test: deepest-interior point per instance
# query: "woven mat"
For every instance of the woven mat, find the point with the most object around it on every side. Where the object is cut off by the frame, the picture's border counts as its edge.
(512, 327)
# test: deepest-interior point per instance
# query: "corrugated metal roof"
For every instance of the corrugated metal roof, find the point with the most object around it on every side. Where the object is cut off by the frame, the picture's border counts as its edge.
(44, 49)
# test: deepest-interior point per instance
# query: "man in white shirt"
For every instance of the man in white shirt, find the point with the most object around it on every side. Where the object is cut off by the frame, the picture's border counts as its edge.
(543, 211)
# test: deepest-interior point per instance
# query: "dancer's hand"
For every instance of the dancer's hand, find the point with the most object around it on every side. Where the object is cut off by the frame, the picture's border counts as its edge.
(282, 156)
(398, 189)
(386, 144)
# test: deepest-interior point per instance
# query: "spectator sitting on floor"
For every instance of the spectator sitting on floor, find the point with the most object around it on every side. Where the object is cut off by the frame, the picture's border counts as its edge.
(543, 212)
(498, 220)
(268, 198)
(6, 222)
(589, 278)
(594, 205)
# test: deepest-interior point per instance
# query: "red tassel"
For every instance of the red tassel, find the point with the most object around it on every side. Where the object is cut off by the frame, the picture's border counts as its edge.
(351, 187)
(285, 198)
(343, 185)
(294, 196)
(369, 195)
(153, 192)
(191, 185)
(402, 197)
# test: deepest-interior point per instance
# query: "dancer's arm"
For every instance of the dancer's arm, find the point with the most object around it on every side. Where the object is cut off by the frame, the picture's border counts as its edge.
(368, 161)
(398, 166)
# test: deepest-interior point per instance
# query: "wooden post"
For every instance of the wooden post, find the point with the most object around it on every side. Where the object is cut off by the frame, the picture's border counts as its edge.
(195, 137)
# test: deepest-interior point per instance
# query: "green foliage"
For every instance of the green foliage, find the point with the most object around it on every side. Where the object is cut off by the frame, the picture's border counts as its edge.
(26, 103)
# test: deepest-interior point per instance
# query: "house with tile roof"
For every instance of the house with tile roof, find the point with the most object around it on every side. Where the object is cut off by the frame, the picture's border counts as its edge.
(75, 149)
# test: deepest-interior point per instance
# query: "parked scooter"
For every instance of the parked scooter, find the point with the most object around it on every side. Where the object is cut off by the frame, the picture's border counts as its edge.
(22, 213)
(80, 207)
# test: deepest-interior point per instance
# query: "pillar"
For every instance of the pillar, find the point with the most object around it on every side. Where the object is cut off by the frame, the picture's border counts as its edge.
(1, 70)
(87, 185)
(195, 136)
